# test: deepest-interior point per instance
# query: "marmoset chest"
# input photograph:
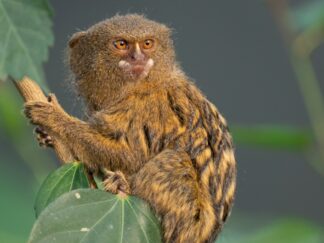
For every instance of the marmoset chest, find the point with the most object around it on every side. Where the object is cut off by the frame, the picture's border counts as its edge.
(152, 121)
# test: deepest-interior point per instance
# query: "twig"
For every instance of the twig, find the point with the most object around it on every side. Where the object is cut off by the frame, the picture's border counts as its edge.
(30, 91)
(301, 47)
(279, 9)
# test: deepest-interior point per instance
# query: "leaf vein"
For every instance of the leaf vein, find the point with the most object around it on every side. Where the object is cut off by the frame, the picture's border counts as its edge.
(146, 237)
(100, 219)
(56, 183)
(153, 222)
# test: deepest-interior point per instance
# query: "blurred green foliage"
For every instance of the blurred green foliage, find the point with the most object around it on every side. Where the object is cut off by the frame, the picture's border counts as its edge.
(308, 15)
(25, 35)
(17, 216)
(291, 230)
(273, 137)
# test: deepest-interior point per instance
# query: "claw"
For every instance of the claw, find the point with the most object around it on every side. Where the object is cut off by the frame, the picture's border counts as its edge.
(43, 138)
(52, 98)
(40, 131)
(27, 112)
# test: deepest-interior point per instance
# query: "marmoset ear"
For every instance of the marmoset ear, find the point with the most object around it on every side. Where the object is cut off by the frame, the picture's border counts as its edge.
(76, 37)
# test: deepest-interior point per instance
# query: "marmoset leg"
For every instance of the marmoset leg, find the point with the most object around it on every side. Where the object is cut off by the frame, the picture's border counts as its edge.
(169, 183)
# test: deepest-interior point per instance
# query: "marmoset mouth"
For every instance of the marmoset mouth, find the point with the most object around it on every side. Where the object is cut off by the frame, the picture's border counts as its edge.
(138, 69)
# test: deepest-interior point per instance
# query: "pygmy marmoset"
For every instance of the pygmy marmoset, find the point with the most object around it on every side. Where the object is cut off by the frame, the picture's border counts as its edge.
(148, 126)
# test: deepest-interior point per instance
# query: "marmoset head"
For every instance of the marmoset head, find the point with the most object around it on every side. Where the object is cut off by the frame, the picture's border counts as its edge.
(120, 50)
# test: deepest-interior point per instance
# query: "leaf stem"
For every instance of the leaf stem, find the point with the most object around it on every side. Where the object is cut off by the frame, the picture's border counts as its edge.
(311, 93)
(301, 46)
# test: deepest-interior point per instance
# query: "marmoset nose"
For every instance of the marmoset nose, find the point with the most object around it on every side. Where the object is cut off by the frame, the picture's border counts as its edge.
(137, 54)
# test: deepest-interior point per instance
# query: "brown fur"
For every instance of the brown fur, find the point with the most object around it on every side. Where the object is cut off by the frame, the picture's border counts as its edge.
(166, 141)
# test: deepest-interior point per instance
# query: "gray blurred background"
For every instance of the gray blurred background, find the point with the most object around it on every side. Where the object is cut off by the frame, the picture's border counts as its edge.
(235, 54)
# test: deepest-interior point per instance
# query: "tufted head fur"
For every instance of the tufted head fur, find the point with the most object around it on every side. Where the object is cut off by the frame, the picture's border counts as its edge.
(101, 73)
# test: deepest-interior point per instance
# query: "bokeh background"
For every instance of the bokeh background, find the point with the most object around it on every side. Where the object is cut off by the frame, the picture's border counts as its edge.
(240, 54)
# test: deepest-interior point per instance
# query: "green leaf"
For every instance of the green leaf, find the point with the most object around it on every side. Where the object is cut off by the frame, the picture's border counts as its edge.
(308, 15)
(88, 215)
(42, 5)
(67, 178)
(25, 35)
(273, 137)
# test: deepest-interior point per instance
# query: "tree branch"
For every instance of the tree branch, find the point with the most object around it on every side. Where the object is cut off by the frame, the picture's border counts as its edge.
(30, 91)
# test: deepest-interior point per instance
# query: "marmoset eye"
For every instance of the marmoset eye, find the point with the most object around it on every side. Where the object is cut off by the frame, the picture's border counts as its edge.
(121, 44)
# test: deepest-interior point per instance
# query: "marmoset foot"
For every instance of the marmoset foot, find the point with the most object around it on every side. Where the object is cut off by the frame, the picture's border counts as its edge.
(115, 182)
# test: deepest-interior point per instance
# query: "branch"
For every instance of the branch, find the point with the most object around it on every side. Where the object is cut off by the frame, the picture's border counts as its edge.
(30, 91)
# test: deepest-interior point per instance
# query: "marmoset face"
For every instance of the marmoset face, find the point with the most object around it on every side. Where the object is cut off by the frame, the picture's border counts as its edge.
(119, 51)
(136, 58)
